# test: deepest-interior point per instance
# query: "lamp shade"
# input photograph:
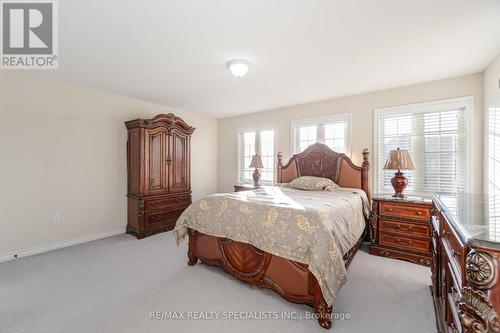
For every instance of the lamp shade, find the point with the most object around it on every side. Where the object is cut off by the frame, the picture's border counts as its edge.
(399, 159)
(256, 162)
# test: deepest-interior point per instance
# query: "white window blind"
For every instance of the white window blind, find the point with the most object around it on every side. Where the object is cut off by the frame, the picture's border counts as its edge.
(494, 169)
(256, 141)
(332, 131)
(435, 135)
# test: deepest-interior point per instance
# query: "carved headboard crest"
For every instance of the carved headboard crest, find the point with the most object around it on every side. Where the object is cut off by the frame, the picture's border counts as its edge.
(320, 161)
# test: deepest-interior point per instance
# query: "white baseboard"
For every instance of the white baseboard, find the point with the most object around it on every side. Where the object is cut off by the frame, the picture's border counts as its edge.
(57, 245)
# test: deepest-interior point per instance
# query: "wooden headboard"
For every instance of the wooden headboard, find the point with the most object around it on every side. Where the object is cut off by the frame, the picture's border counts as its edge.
(320, 161)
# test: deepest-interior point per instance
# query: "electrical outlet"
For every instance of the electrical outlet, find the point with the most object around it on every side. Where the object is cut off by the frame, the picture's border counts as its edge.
(56, 218)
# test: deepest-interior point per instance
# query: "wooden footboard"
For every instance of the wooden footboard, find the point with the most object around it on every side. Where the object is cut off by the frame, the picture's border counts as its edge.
(290, 279)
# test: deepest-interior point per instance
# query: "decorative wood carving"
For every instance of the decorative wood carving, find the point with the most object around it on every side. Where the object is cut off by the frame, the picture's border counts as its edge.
(167, 121)
(320, 161)
(244, 261)
(476, 313)
(323, 310)
(250, 265)
(480, 269)
(465, 278)
(317, 161)
(373, 221)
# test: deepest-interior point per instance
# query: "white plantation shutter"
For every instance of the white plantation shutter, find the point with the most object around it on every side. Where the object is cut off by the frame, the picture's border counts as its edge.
(494, 169)
(251, 141)
(435, 136)
(247, 150)
(332, 130)
(266, 144)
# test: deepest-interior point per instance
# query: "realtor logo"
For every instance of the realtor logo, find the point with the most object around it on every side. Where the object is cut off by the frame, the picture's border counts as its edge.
(29, 34)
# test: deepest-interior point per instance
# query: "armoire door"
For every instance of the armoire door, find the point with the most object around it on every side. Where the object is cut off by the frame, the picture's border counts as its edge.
(155, 161)
(179, 165)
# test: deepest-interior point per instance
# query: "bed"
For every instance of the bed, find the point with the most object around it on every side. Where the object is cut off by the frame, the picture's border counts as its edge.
(294, 248)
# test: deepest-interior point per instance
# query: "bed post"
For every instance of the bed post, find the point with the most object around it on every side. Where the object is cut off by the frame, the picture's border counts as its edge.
(365, 170)
(323, 311)
(280, 166)
(193, 239)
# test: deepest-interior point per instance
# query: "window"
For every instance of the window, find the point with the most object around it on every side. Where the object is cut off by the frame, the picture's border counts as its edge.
(494, 168)
(435, 135)
(332, 131)
(253, 141)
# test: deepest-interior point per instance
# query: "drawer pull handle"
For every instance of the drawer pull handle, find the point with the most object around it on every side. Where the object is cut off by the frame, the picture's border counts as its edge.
(456, 254)
(407, 242)
(384, 253)
(419, 212)
(155, 218)
(404, 228)
(390, 209)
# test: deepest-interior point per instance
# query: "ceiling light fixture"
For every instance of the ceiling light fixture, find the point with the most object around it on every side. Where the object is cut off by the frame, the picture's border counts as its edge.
(238, 67)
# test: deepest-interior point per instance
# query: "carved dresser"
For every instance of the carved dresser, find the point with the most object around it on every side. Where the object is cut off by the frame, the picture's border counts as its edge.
(400, 228)
(466, 264)
(159, 173)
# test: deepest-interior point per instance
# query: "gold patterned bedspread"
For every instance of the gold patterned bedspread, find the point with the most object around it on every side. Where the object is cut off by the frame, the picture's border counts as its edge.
(312, 227)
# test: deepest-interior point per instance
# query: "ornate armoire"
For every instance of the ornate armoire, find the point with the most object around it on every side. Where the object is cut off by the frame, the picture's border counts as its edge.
(158, 164)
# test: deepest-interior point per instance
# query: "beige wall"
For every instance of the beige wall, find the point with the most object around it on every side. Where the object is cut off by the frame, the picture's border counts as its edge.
(492, 84)
(361, 109)
(63, 149)
(491, 96)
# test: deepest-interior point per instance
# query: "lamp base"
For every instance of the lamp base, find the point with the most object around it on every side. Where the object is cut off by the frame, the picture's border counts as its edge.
(256, 178)
(399, 183)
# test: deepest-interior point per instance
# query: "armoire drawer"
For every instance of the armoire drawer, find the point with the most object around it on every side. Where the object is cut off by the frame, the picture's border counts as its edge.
(162, 217)
(167, 202)
(404, 228)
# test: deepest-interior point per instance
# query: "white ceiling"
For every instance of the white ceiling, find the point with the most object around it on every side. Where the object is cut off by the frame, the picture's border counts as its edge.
(173, 52)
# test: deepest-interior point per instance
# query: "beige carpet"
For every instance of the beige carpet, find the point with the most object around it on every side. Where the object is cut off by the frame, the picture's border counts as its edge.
(113, 285)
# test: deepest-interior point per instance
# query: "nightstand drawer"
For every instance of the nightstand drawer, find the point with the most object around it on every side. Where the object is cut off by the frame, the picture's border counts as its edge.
(405, 243)
(404, 228)
(405, 211)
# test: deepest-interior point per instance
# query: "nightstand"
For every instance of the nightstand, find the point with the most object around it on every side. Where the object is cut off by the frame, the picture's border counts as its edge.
(400, 228)
(244, 187)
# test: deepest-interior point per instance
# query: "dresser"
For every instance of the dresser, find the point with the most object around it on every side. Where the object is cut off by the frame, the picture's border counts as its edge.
(400, 228)
(159, 173)
(466, 264)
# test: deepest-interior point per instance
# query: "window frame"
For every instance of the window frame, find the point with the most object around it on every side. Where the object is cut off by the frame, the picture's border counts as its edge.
(486, 164)
(486, 149)
(466, 102)
(257, 129)
(332, 118)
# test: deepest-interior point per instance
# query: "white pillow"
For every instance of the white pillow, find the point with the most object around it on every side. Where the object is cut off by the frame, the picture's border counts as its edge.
(332, 188)
(310, 183)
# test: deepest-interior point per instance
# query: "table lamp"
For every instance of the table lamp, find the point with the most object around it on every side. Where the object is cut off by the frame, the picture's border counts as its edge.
(399, 159)
(257, 164)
